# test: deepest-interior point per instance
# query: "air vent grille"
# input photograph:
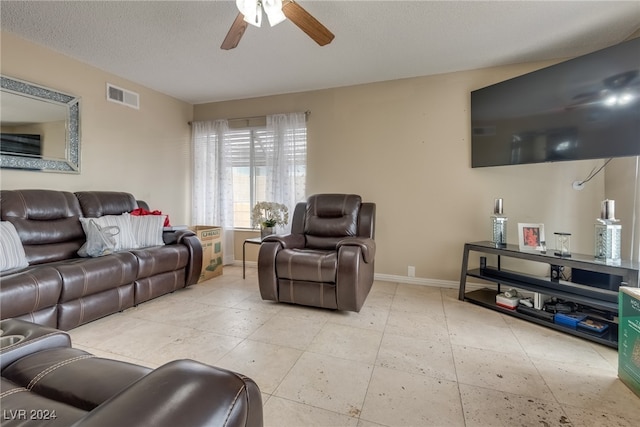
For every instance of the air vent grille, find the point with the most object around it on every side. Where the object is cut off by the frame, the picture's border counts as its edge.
(122, 96)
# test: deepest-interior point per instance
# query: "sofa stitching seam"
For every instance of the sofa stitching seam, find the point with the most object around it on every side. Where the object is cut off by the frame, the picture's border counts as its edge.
(52, 368)
(233, 403)
(12, 391)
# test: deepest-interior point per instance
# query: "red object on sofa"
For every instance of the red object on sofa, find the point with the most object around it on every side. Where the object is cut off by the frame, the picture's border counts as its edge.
(140, 212)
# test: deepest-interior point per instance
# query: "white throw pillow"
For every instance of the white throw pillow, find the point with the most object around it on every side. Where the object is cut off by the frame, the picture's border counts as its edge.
(147, 229)
(12, 254)
(125, 239)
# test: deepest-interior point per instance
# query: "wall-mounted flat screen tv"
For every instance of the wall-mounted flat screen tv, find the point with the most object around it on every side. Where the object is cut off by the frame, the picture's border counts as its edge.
(21, 144)
(583, 108)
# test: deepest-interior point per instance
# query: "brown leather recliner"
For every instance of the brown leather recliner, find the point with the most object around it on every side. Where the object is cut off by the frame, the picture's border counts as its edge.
(327, 261)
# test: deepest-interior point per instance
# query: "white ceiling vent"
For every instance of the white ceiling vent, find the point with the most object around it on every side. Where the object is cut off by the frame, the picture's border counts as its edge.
(122, 96)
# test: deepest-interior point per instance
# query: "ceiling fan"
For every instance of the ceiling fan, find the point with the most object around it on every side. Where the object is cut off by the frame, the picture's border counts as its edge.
(276, 11)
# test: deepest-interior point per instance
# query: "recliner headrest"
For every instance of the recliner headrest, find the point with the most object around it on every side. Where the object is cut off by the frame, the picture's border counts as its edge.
(332, 215)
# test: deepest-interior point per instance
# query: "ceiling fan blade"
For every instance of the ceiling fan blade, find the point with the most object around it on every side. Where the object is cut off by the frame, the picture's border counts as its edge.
(235, 33)
(307, 23)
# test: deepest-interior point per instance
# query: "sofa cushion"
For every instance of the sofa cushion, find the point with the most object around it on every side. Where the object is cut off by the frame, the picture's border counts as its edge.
(148, 229)
(100, 203)
(73, 376)
(16, 398)
(88, 276)
(307, 265)
(12, 254)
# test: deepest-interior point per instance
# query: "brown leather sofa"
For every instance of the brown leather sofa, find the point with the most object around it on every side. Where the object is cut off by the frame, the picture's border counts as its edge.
(328, 259)
(46, 382)
(61, 290)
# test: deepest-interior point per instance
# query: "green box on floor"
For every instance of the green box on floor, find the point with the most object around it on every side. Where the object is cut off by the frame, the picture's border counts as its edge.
(629, 337)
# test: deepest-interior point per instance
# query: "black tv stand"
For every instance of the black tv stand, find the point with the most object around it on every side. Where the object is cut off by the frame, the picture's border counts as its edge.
(597, 298)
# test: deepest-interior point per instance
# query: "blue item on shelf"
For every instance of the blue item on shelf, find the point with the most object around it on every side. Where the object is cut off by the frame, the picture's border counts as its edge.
(570, 320)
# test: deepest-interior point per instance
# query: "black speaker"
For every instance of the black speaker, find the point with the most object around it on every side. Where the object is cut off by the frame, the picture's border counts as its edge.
(596, 279)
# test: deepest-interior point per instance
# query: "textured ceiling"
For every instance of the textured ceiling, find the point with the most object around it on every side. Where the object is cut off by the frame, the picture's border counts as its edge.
(174, 46)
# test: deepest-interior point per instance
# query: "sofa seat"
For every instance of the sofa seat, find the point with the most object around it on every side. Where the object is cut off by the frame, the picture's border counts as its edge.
(307, 265)
(72, 377)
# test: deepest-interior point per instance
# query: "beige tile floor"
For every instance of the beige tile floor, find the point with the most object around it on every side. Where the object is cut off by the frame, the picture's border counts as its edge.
(414, 356)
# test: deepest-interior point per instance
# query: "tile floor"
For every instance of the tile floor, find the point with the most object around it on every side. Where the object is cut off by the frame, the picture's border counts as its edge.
(414, 356)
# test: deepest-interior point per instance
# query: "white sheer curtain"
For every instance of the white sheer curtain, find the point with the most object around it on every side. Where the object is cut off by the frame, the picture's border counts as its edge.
(285, 157)
(286, 176)
(213, 181)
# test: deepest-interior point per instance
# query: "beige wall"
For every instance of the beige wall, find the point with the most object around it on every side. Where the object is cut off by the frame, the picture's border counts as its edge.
(144, 152)
(405, 145)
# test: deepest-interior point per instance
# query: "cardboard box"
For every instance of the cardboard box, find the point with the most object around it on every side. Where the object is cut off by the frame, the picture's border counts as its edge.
(211, 240)
(629, 337)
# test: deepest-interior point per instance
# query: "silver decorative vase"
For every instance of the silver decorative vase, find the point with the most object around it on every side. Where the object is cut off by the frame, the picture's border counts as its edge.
(266, 231)
(608, 234)
(498, 225)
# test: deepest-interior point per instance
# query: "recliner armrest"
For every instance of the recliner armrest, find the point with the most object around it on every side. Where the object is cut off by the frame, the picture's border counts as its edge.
(287, 241)
(368, 246)
(182, 393)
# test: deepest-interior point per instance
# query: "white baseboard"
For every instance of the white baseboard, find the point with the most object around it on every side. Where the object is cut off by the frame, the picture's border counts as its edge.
(422, 281)
(416, 280)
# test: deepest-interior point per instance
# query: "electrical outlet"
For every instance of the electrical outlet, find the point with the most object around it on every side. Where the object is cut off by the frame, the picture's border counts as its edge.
(411, 271)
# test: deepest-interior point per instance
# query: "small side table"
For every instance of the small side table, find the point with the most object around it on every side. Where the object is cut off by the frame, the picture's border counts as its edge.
(251, 241)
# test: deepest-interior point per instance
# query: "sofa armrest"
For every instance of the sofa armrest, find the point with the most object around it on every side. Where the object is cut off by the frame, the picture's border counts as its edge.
(368, 246)
(182, 393)
(287, 241)
(191, 241)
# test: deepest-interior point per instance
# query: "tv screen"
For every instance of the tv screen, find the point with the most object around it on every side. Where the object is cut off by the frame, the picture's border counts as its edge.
(20, 144)
(584, 108)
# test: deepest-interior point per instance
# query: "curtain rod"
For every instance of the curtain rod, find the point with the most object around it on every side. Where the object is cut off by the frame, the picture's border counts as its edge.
(236, 119)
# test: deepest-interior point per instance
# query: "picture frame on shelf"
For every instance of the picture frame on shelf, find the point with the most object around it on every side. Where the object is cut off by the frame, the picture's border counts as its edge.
(531, 236)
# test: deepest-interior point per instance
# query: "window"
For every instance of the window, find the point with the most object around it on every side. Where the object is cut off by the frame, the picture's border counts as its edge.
(253, 158)
(236, 167)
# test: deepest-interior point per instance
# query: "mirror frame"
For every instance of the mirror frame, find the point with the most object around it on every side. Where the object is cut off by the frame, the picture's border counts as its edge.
(71, 162)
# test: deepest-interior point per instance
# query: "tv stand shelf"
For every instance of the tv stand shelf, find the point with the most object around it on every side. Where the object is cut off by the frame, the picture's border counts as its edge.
(595, 297)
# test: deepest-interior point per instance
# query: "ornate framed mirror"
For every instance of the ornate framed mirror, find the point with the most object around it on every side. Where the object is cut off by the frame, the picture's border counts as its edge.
(40, 128)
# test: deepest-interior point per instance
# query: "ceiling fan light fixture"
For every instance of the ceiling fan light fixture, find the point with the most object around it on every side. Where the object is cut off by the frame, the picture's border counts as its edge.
(252, 11)
(273, 9)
